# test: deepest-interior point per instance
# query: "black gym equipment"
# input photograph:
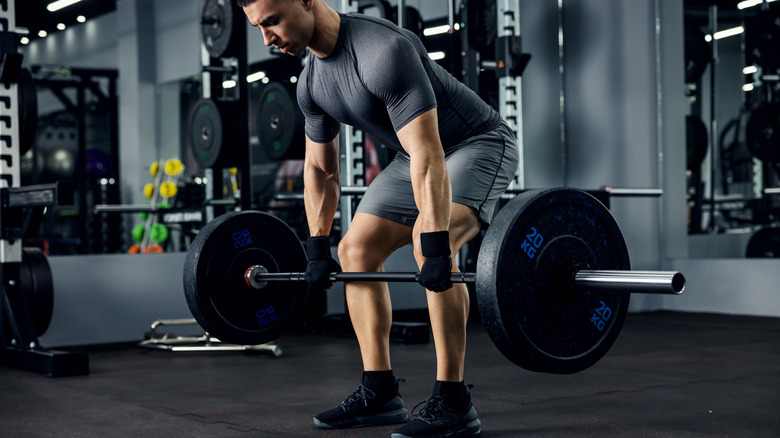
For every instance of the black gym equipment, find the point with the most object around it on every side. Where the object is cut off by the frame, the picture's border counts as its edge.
(27, 292)
(214, 133)
(37, 287)
(764, 243)
(279, 123)
(217, 131)
(552, 279)
(217, 28)
(214, 283)
(696, 141)
(762, 36)
(266, 161)
(763, 133)
(697, 53)
(89, 99)
(28, 110)
(482, 15)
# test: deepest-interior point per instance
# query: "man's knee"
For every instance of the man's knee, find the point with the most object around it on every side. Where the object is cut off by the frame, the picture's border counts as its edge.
(346, 250)
(369, 241)
(358, 255)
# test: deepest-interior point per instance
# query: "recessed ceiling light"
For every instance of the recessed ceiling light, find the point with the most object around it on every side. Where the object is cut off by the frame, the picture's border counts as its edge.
(59, 4)
(25, 40)
(42, 33)
(81, 18)
(255, 76)
(749, 70)
(61, 26)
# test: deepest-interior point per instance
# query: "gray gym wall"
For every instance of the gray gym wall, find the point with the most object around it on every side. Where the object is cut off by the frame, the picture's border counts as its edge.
(623, 123)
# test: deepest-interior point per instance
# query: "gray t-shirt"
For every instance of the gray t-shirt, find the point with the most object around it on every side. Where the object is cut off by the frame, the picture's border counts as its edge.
(379, 78)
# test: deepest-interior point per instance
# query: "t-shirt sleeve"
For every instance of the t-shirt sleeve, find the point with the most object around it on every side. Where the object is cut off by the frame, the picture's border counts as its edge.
(318, 125)
(396, 75)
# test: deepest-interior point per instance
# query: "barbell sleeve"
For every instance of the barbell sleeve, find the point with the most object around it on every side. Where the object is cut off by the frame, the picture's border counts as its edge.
(641, 282)
(602, 281)
(627, 192)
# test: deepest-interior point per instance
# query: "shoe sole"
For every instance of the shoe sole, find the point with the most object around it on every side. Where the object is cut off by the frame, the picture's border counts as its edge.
(472, 429)
(384, 418)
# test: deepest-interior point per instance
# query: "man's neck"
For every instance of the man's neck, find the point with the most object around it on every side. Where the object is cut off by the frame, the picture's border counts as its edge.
(326, 29)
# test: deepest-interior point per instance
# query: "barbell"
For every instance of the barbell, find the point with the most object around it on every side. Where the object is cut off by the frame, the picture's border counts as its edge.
(552, 281)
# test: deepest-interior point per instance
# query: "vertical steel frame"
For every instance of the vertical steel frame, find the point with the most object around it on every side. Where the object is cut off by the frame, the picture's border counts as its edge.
(509, 87)
(10, 251)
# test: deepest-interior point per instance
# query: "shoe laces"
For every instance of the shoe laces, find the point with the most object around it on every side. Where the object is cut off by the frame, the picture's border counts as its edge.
(432, 408)
(361, 394)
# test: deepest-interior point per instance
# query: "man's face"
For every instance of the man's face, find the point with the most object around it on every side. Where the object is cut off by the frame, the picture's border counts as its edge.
(286, 24)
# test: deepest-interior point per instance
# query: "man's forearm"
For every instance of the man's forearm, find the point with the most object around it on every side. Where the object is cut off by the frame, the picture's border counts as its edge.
(432, 191)
(320, 197)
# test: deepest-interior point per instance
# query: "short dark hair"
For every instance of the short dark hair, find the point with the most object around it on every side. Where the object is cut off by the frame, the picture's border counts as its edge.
(245, 3)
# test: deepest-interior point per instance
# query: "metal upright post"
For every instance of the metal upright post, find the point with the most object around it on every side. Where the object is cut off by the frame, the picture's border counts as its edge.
(19, 346)
(713, 19)
(351, 157)
(10, 249)
(208, 174)
(509, 87)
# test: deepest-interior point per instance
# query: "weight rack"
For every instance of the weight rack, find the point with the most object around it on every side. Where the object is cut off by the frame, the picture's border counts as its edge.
(20, 207)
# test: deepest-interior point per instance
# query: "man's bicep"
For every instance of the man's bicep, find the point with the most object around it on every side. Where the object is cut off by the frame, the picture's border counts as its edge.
(421, 134)
(318, 124)
(321, 128)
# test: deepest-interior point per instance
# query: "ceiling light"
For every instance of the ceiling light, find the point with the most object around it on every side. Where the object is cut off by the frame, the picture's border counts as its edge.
(61, 26)
(59, 4)
(748, 87)
(255, 76)
(293, 79)
(725, 33)
(42, 33)
(81, 18)
(750, 3)
(438, 30)
(729, 32)
(437, 55)
(229, 84)
(749, 70)
(25, 40)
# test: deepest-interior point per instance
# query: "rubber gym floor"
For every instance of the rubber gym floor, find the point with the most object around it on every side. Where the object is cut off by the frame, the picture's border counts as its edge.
(668, 375)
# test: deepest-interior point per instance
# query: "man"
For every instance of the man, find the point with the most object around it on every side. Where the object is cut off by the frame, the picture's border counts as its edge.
(455, 159)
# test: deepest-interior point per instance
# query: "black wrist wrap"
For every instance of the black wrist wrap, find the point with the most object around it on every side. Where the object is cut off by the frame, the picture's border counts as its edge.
(435, 244)
(318, 248)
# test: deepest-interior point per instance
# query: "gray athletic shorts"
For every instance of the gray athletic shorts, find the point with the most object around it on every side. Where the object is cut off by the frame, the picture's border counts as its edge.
(480, 170)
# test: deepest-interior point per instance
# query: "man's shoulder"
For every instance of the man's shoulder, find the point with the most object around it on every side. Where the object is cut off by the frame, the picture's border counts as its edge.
(376, 40)
(358, 20)
(365, 29)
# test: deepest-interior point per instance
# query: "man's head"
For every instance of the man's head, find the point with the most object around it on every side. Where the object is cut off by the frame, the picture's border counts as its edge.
(286, 24)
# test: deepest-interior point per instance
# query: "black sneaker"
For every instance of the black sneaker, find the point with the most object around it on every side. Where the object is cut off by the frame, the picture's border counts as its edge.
(437, 420)
(363, 408)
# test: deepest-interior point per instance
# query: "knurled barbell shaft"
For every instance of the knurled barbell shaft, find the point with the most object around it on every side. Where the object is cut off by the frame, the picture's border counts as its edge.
(599, 281)
(394, 277)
